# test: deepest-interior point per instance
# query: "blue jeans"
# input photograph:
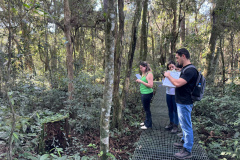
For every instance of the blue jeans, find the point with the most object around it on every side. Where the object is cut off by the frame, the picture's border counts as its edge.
(172, 108)
(146, 99)
(184, 116)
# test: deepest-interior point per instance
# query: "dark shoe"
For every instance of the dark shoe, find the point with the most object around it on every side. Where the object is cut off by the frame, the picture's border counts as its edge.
(175, 129)
(179, 145)
(170, 126)
(183, 154)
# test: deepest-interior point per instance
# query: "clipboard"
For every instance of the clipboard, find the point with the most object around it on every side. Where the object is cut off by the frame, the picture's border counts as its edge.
(167, 82)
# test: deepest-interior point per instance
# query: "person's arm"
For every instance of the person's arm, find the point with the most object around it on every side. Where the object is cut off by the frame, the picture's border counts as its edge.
(176, 82)
(149, 79)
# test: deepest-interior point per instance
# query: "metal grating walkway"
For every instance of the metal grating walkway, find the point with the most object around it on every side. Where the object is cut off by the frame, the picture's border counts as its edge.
(157, 143)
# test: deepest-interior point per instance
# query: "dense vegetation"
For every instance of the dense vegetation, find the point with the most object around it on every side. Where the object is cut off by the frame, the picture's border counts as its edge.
(58, 74)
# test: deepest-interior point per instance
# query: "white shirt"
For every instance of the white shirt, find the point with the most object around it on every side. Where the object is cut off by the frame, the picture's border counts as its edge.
(170, 90)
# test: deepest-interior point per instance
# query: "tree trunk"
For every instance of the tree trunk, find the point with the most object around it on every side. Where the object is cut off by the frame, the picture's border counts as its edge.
(144, 50)
(136, 20)
(54, 60)
(232, 57)
(109, 73)
(69, 46)
(174, 28)
(182, 25)
(215, 63)
(117, 110)
(223, 63)
(10, 147)
(212, 44)
(153, 47)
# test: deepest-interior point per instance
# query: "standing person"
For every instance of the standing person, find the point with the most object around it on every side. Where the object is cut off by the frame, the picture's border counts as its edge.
(172, 107)
(146, 92)
(184, 86)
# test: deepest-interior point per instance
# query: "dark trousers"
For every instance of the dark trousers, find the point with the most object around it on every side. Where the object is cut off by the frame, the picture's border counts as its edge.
(146, 99)
(172, 109)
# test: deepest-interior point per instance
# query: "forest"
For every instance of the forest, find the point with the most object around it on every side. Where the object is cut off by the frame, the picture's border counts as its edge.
(67, 74)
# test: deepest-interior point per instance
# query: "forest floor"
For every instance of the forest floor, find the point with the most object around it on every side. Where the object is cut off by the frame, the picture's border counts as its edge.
(120, 145)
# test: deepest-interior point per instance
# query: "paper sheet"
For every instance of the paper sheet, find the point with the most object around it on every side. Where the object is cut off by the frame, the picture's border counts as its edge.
(138, 76)
(175, 75)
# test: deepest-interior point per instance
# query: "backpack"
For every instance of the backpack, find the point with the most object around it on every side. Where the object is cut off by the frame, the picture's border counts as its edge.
(198, 90)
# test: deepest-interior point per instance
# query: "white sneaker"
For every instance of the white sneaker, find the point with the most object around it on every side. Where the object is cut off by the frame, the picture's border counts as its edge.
(141, 124)
(144, 127)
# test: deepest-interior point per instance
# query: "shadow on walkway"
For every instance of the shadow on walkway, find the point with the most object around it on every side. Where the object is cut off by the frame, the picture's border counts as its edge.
(157, 143)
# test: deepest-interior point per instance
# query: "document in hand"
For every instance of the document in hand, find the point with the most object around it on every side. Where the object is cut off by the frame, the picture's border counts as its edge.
(138, 76)
(167, 82)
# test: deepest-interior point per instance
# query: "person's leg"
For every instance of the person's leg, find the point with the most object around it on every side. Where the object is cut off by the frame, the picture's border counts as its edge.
(175, 114)
(146, 99)
(184, 115)
(170, 107)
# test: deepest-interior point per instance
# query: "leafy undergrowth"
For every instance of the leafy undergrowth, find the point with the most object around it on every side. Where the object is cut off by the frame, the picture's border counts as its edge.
(217, 121)
(121, 146)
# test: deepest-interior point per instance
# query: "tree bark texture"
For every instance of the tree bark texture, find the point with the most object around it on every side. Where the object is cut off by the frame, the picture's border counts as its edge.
(143, 48)
(182, 26)
(133, 42)
(109, 76)
(174, 30)
(223, 62)
(10, 146)
(208, 70)
(117, 110)
(69, 46)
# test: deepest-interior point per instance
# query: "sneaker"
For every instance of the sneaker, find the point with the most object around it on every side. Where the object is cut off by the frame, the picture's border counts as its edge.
(180, 135)
(179, 145)
(170, 126)
(183, 154)
(175, 129)
(141, 124)
(144, 127)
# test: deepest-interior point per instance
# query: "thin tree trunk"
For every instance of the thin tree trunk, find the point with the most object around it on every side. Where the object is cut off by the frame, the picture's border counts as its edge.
(69, 45)
(223, 63)
(9, 153)
(109, 76)
(182, 25)
(136, 20)
(232, 53)
(144, 50)
(117, 110)
(215, 63)
(153, 47)
(174, 28)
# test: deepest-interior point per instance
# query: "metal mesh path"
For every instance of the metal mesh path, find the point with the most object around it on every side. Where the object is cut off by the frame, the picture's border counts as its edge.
(157, 143)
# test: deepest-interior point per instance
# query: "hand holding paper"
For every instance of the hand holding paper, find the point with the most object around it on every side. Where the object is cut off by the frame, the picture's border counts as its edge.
(174, 74)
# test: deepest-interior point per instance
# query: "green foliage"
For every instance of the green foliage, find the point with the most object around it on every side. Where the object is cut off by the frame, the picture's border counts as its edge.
(217, 120)
(87, 103)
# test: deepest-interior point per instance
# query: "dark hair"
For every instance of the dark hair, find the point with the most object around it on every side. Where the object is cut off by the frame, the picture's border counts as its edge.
(170, 62)
(184, 51)
(179, 66)
(145, 64)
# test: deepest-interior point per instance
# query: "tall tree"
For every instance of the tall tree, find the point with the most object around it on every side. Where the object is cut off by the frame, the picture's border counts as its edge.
(69, 45)
(174, 35)
(216, 15)
(144, 33)
(109, 73)
(133, 42)
(117, 110)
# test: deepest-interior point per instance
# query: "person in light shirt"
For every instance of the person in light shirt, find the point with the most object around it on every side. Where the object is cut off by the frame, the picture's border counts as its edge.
(172, 107)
